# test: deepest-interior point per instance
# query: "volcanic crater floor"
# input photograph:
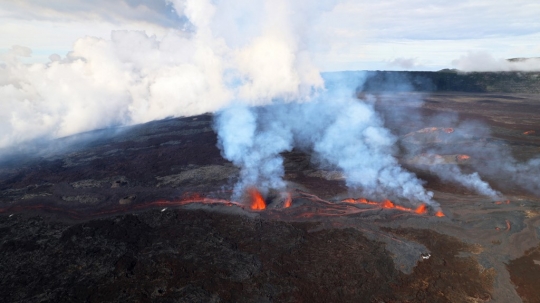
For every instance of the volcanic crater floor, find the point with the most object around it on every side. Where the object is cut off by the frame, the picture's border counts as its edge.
(141, 214)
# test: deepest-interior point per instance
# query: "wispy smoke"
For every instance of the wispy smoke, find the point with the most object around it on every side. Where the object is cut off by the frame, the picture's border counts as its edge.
(473, 181)
(525, 174)
(484, 62)
(498, 161)
(489, 158)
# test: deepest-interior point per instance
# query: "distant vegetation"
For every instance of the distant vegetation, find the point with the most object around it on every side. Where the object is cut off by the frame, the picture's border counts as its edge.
(449, 80)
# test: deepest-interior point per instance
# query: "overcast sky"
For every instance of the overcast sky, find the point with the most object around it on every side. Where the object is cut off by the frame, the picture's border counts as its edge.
(348, 35)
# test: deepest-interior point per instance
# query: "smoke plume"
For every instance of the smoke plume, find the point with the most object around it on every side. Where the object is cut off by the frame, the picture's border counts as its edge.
(253, 144)
(342, 133)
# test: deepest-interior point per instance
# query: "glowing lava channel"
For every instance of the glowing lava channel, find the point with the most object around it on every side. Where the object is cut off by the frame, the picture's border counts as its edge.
(387, 204)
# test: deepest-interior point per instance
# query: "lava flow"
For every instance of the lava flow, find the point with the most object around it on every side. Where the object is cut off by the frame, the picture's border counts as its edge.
(256, 202)
(360, 201)
(447, 130)
(390, 205)
(422, 209)
(256, 199)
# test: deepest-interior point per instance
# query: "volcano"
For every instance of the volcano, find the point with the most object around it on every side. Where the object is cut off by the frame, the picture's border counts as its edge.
(146, 213)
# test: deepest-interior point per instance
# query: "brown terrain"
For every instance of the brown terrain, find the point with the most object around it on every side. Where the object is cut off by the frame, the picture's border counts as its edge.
(143, 214)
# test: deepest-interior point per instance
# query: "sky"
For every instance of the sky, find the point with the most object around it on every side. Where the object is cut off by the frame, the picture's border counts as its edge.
(340, 35)
(70, 66)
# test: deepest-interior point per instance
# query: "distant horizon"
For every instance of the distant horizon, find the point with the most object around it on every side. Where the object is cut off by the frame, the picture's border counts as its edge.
(385, 70)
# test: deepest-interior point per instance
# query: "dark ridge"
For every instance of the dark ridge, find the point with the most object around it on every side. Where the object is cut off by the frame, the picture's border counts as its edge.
(448, 80)
(522, 59)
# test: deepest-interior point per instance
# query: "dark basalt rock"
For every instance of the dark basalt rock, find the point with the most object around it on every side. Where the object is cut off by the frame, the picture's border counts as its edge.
(197, 256)
(77, 223)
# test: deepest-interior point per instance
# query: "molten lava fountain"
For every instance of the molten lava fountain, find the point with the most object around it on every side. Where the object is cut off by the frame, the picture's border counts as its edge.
(256, 199)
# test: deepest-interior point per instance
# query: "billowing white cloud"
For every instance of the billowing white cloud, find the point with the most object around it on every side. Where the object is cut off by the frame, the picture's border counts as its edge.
(355, 34)
(133, 77)
(189, 57)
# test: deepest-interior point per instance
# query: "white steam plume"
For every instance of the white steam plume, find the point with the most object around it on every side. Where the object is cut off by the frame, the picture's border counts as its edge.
(357, 143)
(253, 145)
(343, 133)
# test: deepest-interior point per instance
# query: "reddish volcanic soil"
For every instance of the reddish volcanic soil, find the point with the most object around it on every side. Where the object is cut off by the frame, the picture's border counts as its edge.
(143, 214)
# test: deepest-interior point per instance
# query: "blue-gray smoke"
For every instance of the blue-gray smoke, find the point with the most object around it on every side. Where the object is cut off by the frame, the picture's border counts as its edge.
(342, 132)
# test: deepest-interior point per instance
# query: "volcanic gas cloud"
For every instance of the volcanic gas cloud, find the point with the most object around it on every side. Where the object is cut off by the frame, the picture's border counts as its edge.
(341, 132)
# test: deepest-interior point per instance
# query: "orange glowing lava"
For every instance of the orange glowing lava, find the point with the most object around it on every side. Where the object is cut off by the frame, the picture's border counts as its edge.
(257, 201)
(529, 132)
(319, 208)
(421, 209)
(439, 214)
(462, 157)
(448, 130)
(388, 204)
(359, 201)
(288, 201)
(192, 196)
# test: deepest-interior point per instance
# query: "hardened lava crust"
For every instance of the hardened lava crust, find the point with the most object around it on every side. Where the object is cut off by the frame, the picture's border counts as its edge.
(144, 214)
